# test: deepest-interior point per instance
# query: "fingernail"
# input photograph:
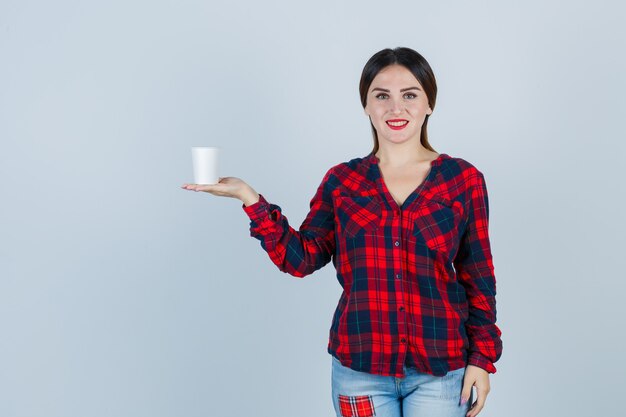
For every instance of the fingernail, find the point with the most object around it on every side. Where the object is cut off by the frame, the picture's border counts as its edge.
(463, 401)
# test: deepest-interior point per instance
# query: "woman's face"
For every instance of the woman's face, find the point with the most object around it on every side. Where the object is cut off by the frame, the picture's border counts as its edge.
(397, 105)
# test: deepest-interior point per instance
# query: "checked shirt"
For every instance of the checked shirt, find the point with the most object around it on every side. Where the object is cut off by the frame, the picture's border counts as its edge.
(418, 280)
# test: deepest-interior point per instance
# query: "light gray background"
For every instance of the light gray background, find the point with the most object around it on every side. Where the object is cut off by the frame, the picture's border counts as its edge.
(123, 295)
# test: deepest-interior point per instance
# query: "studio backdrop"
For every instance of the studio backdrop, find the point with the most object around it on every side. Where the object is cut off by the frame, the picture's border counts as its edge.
(122, 294)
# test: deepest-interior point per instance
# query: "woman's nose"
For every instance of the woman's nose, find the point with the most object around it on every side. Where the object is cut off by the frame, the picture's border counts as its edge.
(396, 106)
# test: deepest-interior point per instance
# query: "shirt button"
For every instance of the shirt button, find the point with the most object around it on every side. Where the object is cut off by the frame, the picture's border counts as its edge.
(396, 243)
(398, 276)
(401, 308)
(403, 340)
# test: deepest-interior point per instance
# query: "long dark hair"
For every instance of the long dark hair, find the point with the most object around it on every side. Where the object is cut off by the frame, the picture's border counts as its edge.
(412, 61)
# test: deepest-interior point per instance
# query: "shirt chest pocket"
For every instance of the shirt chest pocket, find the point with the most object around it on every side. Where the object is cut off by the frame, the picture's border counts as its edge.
(437, 224)
(358, 215)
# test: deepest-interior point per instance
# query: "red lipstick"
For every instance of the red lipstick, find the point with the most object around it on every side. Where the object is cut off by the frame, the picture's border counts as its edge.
(398, 124)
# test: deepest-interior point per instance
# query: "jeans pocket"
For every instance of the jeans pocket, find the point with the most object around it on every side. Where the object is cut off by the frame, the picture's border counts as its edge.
(452, 384)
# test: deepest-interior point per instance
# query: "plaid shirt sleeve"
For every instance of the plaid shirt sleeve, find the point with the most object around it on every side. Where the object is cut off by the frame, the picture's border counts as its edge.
(302, 252)
(475, 271)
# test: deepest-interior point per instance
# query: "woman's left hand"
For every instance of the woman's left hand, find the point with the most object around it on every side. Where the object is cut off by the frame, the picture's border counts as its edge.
(475, 376)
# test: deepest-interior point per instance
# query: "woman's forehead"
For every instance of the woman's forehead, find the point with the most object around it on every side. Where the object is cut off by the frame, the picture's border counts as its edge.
(397, 75)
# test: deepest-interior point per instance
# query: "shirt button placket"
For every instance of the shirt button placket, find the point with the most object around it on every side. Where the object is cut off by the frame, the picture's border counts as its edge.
(399, 300)
(402, 329)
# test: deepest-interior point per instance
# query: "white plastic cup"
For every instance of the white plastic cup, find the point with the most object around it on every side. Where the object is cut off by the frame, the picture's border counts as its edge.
(205, 164)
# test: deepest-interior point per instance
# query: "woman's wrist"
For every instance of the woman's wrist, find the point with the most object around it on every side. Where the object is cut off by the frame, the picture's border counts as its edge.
(250, 197)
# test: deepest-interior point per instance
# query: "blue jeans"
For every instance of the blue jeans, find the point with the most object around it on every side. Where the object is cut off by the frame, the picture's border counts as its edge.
(360, 394)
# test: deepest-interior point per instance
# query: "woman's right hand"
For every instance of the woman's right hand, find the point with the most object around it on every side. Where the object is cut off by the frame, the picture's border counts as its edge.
(228, 187)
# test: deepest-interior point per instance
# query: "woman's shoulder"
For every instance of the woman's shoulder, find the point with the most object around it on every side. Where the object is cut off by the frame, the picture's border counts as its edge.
(353, 171)
(461, 166)
(353, 164)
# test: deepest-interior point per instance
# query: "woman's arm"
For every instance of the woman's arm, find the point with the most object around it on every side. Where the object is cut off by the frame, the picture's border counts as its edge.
(475, 271)
(302, 252)
(298, 253)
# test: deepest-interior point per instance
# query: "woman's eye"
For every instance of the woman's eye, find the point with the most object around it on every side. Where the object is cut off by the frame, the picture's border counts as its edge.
(410, 95)
(381, 96)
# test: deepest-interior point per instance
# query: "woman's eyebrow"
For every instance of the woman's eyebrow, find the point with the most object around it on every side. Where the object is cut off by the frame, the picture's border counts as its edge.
(402, 90)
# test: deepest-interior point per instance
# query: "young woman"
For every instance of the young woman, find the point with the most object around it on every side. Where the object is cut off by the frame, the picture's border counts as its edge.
(407, 231)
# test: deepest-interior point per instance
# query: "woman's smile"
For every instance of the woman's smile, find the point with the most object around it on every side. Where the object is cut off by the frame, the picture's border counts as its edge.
(397, 124)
